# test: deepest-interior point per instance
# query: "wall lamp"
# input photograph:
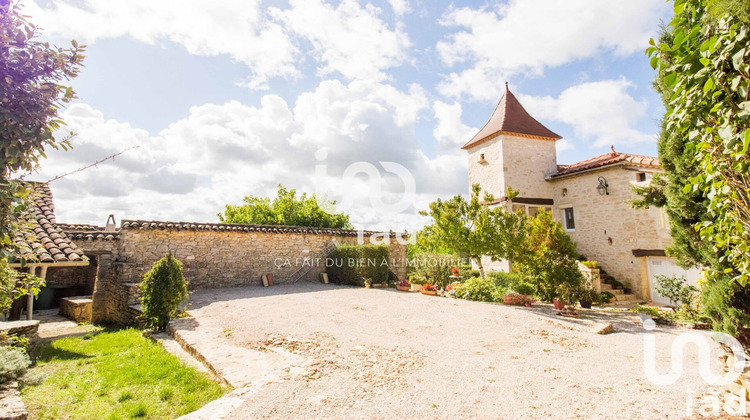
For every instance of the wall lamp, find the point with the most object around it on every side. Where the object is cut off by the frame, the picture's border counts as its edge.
(603, 187)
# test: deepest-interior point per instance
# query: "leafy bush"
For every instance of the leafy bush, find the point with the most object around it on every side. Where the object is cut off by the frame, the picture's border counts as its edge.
(352, 264)
(163, 289)
(676, 290)
(547, 257)
(483, 290)
(13, 363)
(513, 281)
(433, 268)
(648, 310)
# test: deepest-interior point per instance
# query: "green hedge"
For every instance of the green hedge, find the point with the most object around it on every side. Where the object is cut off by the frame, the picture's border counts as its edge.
(352, 264)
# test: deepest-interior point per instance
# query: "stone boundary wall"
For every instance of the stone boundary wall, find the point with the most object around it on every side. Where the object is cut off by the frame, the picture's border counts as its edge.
(213, 256)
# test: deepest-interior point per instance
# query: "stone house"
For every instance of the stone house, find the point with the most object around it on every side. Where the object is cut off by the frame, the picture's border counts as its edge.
(102, 266)
(590, 198)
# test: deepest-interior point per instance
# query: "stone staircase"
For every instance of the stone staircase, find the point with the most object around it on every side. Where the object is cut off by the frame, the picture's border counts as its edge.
(621, 298)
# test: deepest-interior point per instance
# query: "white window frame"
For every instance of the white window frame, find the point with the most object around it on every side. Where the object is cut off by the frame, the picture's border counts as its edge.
(565, 219)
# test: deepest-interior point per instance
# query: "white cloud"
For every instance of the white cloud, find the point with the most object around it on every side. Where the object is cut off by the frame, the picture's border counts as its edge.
(527, 36)
(220, 153)
(450, 131)
(238, 28)
(349, 38)
(601, 113)
(400, 7)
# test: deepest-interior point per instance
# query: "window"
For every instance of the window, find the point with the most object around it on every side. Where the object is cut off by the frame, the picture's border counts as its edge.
(569, 220)
(640, 176)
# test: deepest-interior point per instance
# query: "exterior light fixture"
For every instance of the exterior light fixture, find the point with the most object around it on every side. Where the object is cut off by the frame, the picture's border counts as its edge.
(603, 187)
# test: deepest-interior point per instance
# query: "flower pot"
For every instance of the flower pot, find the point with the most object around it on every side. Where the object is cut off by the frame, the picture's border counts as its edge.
(585, 304)
(367, 286)
(428, 292)
(403, 288)
(559, 304)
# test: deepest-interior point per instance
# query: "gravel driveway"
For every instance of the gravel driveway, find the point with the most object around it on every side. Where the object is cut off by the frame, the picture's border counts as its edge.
(376, 353)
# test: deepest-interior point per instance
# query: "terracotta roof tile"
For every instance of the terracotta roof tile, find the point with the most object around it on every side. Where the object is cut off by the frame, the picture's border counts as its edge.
(510, 117)
(226, 227)
(607, 159)
(39, 238)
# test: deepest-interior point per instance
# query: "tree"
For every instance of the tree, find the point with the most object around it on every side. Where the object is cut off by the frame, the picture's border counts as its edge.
(473, 229)
(702, 75)
(547, 257)
(285, 209)
(31, 94)
(163, 289)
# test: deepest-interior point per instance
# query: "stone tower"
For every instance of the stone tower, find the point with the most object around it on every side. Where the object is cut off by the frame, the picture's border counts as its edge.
(513, 150)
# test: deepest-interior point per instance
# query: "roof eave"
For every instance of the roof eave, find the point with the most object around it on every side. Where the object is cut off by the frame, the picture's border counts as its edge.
(474, 143)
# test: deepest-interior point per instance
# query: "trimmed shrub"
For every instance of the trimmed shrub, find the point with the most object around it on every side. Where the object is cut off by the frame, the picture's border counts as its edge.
(433, 268)
(524, 289)
(163, 289)
(352, 264)
(479, 289)
(13, 363)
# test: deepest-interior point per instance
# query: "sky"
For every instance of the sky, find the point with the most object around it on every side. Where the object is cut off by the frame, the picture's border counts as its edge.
(363, 102)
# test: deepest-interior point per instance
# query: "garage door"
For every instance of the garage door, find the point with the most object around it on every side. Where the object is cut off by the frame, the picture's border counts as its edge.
(666, 266)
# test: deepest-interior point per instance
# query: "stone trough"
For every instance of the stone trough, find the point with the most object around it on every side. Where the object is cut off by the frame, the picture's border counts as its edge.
(77, 308)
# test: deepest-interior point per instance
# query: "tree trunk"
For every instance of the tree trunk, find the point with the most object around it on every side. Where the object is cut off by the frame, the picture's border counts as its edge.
(479, 265)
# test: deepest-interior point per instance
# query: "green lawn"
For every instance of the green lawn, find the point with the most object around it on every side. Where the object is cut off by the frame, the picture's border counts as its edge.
(115, 375)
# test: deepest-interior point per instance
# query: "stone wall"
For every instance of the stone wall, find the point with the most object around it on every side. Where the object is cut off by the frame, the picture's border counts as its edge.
(607, 228)
(511, 161)
(526, 164)
(213, 256)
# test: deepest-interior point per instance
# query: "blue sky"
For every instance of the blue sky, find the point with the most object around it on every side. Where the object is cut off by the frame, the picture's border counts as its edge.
(230, 98)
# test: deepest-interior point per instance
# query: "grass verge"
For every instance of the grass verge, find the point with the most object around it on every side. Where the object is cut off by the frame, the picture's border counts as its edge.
(114, 375)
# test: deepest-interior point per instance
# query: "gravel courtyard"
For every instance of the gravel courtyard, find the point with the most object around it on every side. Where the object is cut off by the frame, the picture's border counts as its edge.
(376, 353)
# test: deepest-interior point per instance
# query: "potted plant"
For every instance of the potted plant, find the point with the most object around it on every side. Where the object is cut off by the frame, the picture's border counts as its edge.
(416, 283)
(588, 297)
(559, 304)
(428, 289)
(606, 297)
(615, 284)
(403, 285)
(568, 293)
(368, 283)
(455, 272)
(626, 288)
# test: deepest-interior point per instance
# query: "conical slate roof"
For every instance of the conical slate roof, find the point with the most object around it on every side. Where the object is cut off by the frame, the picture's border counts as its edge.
(509, 117)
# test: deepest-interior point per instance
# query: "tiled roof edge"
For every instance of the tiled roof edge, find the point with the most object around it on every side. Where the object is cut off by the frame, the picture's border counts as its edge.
(226, 227)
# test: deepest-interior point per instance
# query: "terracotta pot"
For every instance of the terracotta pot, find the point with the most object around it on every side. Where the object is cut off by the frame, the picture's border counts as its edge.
(427, 292)
(367, 286)
(559, 304)
(403, 288)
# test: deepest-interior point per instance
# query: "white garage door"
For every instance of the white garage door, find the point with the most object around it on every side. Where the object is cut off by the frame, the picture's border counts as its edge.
(666, 266)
